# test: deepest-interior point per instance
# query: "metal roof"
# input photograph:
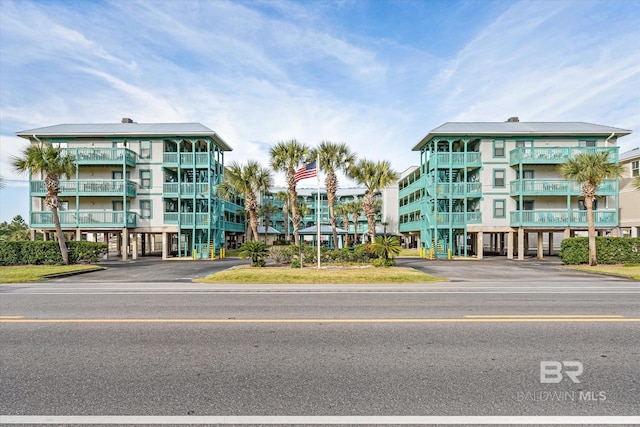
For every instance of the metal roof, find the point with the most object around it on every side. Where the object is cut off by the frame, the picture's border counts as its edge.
(628, 155)
(88, 130)
(505, 129)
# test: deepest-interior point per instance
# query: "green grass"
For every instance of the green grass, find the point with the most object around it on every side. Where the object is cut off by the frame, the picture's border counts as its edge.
(36, 273)
(632, 271)
(409, 252)
(328, 275)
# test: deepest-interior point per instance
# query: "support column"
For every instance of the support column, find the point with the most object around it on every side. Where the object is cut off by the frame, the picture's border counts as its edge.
(520, 243)
(152, 243)
(526, 243)
(634, 231)
(539, 252)
(165, 245)
(550, 242)
(45, 236)
(32, 234)
(479, 252)
(105, 236)
(567, 233)
(134, 246)
(510, 245)
(125, 244)
(78, 235)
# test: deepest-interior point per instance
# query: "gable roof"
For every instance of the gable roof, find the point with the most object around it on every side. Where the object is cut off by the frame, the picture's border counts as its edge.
(88, 130)
(506, 129)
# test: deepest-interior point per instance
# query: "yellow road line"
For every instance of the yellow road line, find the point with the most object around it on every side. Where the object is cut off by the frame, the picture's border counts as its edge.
(546, 316)
(432, 320)
(11, 317)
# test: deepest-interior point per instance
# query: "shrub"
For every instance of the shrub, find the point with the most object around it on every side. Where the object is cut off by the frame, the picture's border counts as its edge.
(381, 262)
(257, 251)
(610, 250)
(280, 253)
(47, 253)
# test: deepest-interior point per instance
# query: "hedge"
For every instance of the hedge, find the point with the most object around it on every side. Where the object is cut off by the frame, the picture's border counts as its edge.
(39, 252)
(609, 250)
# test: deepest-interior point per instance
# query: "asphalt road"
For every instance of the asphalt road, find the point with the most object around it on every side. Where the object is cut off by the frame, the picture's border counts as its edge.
(91, 347)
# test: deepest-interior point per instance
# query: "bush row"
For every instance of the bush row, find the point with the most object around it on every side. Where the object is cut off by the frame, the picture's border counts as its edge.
(39, 252)
(290, 254)
(610, 250)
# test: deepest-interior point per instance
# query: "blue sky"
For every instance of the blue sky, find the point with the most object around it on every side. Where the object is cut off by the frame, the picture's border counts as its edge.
(377, 75)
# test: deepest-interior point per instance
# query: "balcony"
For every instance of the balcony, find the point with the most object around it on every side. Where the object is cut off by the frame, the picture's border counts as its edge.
(456, 160)
(557, 187)
(103, 156)
(409, 226)
(85, 219)
(234, 226)
(186, 189)
(88, 187)
(457, 219)
(190, 219)
(562, 218)
(201, 160)
(459, 190)
(554, 155)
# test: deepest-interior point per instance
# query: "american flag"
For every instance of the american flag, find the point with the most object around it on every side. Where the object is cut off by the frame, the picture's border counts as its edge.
(306, 171)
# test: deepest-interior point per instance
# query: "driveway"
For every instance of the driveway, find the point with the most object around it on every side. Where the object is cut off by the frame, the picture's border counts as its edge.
(154, 269)
(499, 269)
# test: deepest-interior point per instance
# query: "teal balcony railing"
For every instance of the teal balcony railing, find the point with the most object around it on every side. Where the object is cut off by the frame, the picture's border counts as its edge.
(456, 219)
(555, 155)
(88, 187)
(188, 159)
(562, 218)
(103, 156)
(85, 219)
(234, 226)
(459, 189)
(456, 160)
(557, 187)
(200, 189)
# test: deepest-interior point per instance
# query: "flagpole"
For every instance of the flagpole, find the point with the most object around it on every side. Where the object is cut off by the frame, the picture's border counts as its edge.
(318, 207)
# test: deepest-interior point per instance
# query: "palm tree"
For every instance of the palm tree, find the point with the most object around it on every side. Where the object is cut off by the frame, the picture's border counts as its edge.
(333, 157)
(266, 210)
(248, 180)
(355, 209)
(287, 157)
(386, 247)
(374, 176)
(283, 196)
(343, 210)
(589, 169)
(53, 162)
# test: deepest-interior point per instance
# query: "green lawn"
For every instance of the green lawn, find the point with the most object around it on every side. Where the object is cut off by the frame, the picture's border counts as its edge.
(330, 275)
(36, 273)
(632, 272)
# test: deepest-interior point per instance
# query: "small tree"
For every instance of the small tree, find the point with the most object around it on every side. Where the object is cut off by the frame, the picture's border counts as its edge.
(257, 251)
(589, 169)
(53, 162)
(386, 247)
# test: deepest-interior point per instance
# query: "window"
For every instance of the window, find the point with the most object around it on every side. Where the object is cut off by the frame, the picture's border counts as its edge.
(526, 174)
(498, 148)
(635, 168)
(117, 206)
(499, 208)
(145, 149)
(587, 143)
(498, 178)
(527, 205)
(583, 207)
(118, 175)
(524, 143)
(145, 209)
(145, 178)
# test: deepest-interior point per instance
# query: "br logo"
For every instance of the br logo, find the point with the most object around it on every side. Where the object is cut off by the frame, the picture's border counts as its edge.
(552, 372)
